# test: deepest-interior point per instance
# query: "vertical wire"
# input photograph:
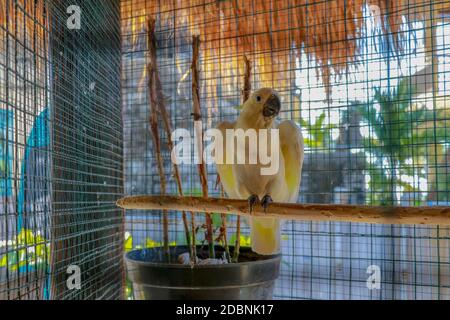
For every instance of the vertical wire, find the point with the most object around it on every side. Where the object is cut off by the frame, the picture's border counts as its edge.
(311, 224)
(6, 206)
(292, 64)
(35, 186)
(49, 122)
(328, 225)
(434, 65)
(22, 182)
(410, 98)
(16, 154)
(347, 93)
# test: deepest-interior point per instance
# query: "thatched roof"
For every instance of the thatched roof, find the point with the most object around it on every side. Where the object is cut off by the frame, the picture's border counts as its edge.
(273, 33)
(29, 20)
(34, 12)
(266, 31)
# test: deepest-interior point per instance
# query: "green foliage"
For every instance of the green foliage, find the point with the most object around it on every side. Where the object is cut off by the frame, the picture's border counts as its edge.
(244, 241)
(129, 290)
(27, 250)
(149, 243)
(393, 125)
(319, 133)
(390, 118)
(399, 131)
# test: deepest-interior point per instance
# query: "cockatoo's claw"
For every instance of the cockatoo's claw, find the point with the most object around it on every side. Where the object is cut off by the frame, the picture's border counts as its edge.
(266, 200)
(252, 200)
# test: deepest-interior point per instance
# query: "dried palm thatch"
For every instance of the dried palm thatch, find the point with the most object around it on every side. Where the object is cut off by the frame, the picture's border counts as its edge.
(31, 21)
(23, 44)
(274, 33)
(25, 24)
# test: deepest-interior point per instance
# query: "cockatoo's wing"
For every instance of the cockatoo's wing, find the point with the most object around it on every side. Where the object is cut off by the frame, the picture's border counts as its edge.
(292, 148)
(266, 232)
(225, 171)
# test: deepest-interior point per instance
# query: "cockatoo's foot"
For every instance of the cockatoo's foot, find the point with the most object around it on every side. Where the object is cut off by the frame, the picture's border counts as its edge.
(265, 201)
(252, 200)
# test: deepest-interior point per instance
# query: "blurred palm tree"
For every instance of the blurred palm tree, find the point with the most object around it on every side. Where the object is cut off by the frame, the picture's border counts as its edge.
(435, 133)
(401, 136)
(389, 118)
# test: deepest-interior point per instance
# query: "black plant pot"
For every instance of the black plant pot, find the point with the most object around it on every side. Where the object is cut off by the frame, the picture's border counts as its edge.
(252, 278)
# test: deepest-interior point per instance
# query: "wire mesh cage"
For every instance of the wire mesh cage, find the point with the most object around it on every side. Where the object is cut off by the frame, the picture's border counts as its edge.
(367, 83)
(61, 150)
(365, 80)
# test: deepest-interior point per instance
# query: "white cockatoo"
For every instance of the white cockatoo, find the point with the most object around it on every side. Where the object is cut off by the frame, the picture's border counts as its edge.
(248, 181)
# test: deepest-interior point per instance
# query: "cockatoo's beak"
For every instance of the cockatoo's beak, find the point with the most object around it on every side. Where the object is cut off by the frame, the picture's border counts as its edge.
(272, 106)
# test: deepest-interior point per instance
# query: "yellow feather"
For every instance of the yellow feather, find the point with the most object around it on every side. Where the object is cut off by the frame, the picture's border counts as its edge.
(292, 146)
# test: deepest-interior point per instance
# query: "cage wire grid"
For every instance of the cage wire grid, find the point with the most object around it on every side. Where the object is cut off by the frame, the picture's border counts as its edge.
(61, 149)
(370, 138)
(376, 132)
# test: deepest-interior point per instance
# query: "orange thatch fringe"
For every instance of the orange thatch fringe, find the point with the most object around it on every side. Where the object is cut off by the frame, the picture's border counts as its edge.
(34, 9)
(267, 31)
(33, 33)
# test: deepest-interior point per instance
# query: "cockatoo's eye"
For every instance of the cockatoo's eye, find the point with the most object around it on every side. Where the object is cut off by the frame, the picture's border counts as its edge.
(258, 98)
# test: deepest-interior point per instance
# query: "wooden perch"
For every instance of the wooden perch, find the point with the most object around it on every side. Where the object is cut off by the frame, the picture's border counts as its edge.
(295, 211)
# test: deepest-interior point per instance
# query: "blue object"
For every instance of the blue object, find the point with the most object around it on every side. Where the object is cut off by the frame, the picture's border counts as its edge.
(39, 137)
(6, 152)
